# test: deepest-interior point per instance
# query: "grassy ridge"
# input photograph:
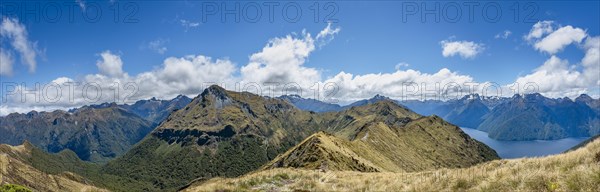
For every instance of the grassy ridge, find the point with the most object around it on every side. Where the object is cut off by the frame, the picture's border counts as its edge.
(573, 171)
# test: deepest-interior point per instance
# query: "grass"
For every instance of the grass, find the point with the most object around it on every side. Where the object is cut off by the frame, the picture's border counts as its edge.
(577, 170)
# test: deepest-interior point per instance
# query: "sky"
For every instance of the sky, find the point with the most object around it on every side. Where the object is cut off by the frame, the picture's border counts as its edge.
(59, 55)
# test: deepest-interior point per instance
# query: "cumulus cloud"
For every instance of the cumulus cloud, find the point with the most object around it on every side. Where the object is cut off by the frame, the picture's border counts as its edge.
(591, 60)
(554, 78)
(466, 49)
(503, 35)
(16, 33)
(110, 64)
(546, 37)
(282, 59)
(539, 29)
(557, 77)
(559, 39)
(177, 75)
(408, 84)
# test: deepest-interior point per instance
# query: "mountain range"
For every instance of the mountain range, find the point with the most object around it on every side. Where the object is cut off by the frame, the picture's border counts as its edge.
(222, 133)
(521, 117)
(164, 145)
(95, 133)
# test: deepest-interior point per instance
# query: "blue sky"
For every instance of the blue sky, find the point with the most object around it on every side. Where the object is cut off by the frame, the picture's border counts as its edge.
(372, 39)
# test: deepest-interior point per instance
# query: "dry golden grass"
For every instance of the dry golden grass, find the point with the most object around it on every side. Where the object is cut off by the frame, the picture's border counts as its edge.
(577, 170)
(15, 171)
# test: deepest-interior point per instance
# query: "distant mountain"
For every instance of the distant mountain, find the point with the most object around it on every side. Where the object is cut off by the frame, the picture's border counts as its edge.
(551, 119)
(467, 111)
(310, 104)
(589, 101)
(384, 136)
(94, 134)
(18, 166)
(372, 100)
(533, 116)
(153, 110)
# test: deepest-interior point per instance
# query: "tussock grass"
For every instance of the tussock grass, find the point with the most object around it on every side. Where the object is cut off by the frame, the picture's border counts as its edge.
(577, 170)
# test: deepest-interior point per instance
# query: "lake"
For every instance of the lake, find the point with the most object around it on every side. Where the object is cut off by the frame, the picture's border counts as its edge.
(517, 149)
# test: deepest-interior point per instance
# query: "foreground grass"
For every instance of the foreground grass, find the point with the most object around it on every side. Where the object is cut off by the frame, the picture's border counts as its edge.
(577, 170)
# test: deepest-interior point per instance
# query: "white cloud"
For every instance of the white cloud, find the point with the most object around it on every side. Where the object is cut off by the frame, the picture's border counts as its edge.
(282, 59)
(554, 79)
(6, 62)
(539, 29)
(396, 85)
(559, 39)
(13, 30)
(503, 35)
(401, 65)
(184, 75)
(466, 49)
(557, 78)
(326, 35)
(158, 46)
(188, 24)
(591, 60)
(110, 64)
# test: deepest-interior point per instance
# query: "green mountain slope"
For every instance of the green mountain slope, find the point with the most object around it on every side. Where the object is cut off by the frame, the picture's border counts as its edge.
(386, 137)
(219, 133)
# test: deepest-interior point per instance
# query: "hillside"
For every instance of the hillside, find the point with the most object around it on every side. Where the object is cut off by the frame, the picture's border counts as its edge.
(574, 171)
(16, 169)
(384, 136)
(94, 134)
(219, 133)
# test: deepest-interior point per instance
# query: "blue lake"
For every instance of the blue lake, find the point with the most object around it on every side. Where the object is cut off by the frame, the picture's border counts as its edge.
(517, 149)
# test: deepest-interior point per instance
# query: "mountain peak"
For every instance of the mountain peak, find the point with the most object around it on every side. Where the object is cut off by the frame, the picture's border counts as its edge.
(583, 97)
(215, 90)
(179, 97)
(379, 97)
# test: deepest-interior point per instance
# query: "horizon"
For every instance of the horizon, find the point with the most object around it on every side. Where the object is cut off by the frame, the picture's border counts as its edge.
(279, 97)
